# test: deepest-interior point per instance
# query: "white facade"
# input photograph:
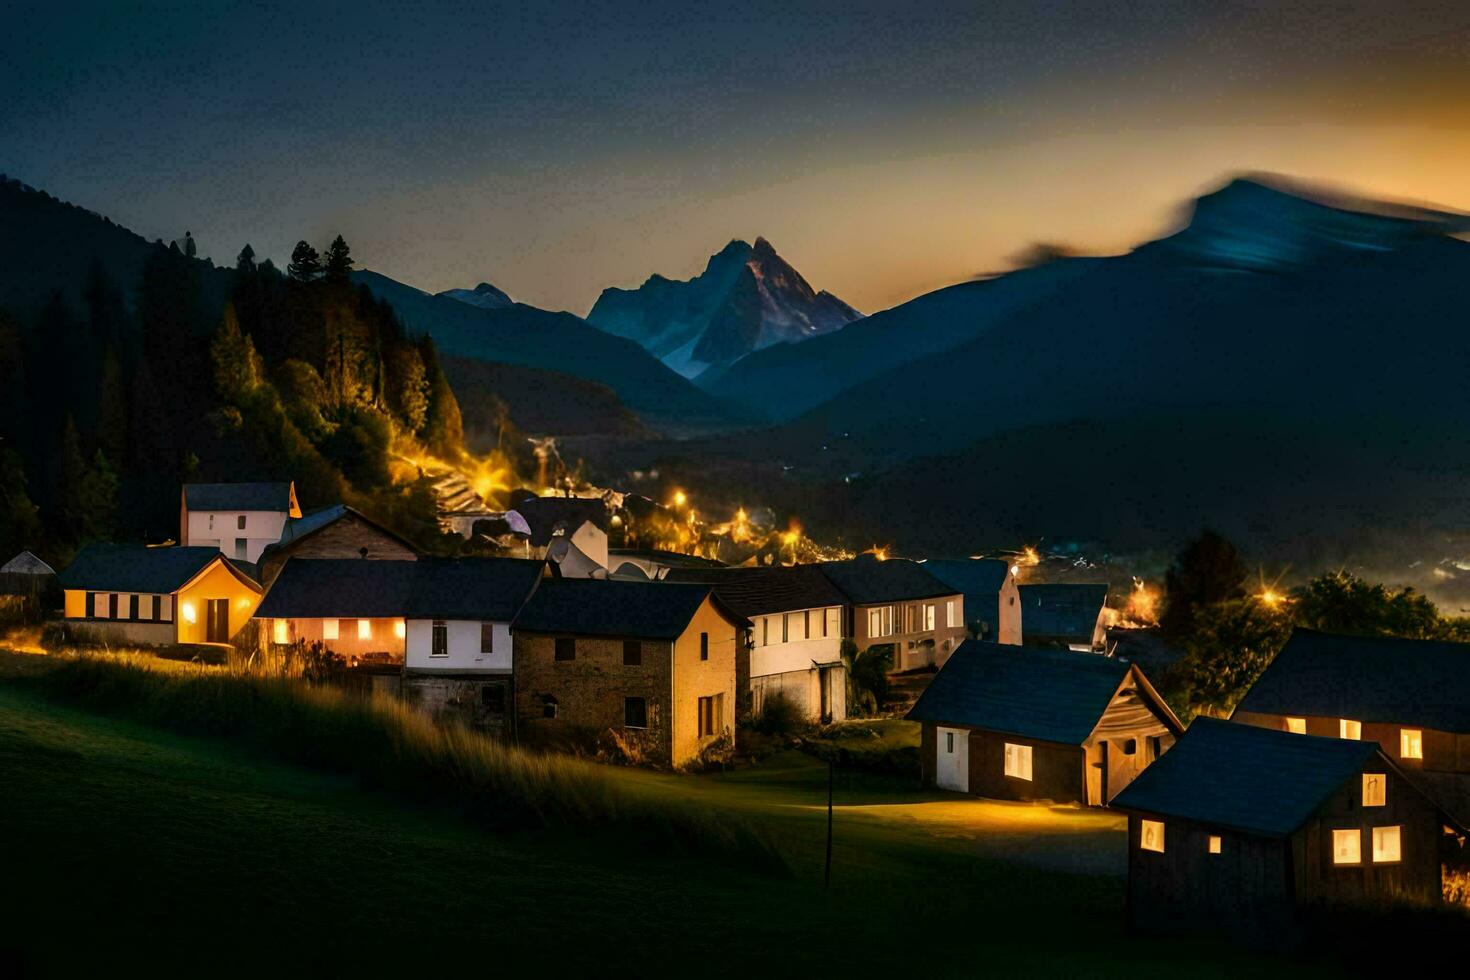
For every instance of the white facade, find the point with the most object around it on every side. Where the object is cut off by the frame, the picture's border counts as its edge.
(952, 759)
(465, 647)
(238, 534)
(799, 653)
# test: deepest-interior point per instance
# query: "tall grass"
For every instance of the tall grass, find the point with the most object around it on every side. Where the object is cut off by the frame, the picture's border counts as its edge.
(390, 747)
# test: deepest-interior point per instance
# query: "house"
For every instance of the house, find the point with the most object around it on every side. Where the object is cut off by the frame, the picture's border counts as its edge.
(651, 662)
(136, 595)
(1239, 826)
(239, 519)
(898, 604)
(795, 642)
(1412, 697)
(28, 587)
(1024, 723)
(1065, 614)
(354, 608)
(338, 531)
(992, 599)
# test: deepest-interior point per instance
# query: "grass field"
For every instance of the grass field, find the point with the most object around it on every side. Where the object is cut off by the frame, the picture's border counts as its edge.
(127, 847)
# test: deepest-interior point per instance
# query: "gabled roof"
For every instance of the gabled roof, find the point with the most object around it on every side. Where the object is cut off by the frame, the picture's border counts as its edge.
(430, 588)
(26, 563)
(1051, 695)
(638, 610)
(762, 591)
(866, 580)
(137, 568)
(302, 527)
(239, 496)
(1367, 678)
(972, 576)
(1246, 778)
(545, 515)
(1062, 609)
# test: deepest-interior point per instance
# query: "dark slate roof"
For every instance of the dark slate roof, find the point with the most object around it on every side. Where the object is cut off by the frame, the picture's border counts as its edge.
(866, 580)
(1052, 695)
(544, 515)
(591, 607)
(1246, 778)
(138, 568)
(299, 527)
(972, 576)
(26, 563)
(431, 588)
(671, 558)
(761, 591)
(1376, 679)
(238, 496)
(1145, 647)
(1062, 609)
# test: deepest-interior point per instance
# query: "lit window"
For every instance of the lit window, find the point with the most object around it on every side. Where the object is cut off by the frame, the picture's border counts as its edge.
(1214, 843)
(1411, 743)
(951, 614)
(364, 629)
(1347, 847)
(1151, 836)
(1386, 845)
(1375, 790)
(145, 607)
(190, 616)
(281, 631)
(1018, 761)
(928, 616)
(875, 622)
(400, 629)
(329, 629)
(1353, 730)
(1297, 726)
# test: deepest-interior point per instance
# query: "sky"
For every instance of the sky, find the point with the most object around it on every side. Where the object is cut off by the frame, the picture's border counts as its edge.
(554, 149)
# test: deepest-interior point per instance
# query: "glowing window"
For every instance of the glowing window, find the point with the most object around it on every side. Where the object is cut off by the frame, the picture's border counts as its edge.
(1347, 846)
(929, 615)
(145, 606)
(280, 631)
(400, 629)
(1297, 726)
(1018, 761)
(1411, 743)
(1151, 836)
(1386, 845)
(1214, 843)
(364, 629)
(951, 613)
(329, 629)
(1375, 789)
(187, 608)
(1349, 729)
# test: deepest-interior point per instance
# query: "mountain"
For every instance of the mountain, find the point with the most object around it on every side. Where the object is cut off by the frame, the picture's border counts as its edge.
(747, 299)
(484, 296)
(525, 335)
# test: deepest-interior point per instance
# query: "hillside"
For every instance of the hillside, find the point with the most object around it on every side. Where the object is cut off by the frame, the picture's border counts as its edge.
(542, 403)
(747, 299)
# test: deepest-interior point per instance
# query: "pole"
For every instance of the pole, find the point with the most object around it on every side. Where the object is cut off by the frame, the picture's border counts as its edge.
(827, 876)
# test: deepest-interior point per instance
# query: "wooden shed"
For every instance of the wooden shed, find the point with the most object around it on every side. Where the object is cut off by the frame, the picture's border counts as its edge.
(1238, 827)
(1016, 723)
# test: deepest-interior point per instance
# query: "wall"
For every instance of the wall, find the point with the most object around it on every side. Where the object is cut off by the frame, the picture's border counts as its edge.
(1443, 751)
(694, 678)
(154, 624)
(464, 647)
(343, 538)
(219, 529)
(469, 700)
(384, 646)
(910, 651)
(1011, 629)
(217, 582)
(804, 689)
(1056, 770)
(776, 655)
(1129, 716)
(112, 633)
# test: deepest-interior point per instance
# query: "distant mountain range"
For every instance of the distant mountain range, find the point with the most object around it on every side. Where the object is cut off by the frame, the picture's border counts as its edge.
(484, 296)
(747, 299)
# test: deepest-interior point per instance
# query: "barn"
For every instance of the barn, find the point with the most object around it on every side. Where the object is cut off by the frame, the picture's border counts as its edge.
(1019, 723)
(1238, 827)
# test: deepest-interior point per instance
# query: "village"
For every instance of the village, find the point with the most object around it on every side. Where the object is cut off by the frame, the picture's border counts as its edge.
(1342, 776)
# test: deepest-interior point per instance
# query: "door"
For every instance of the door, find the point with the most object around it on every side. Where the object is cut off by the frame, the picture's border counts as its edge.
(217, 621)
(952, 759)
(824, 683)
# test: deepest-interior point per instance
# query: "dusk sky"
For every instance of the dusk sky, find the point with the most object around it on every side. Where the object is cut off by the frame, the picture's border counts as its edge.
(554, 149)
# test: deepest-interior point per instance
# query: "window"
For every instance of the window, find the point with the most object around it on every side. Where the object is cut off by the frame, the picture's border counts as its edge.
(400, 628)
(704, 646)
(1347, 846)
(166, 609)
(949, 742)
(1411, 743)
(1130, 746)
(1018, 761)
(549, 706)
(280, 631)
(566, 648)
(329, 629)
(439, 639)
(487, 638)
(119, 606)
(1386, 845)
(632, 654)
(711, 720)
(240, 523)
(795, 627)
(1214, 845)
(635, 713)
(1297, 726)
(875, 622)
(1375, 789)
(929, 608)
(1349, 729)
(1155, 746)
(492, 698)
(147, 605)
(765, 631)
(1151, 836)
(951, 613)
(240, 548)
(364, 629)
(832, 625)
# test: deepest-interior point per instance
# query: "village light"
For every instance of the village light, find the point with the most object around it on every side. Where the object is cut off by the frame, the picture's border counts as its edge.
(190, 616)
(679, 498)
(400, 629)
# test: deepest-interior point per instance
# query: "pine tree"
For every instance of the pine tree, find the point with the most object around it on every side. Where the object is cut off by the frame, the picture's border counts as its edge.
(444, 428)
(245, 262)
(408, 386)
(338, 260)
(237, 367)
(306, 264)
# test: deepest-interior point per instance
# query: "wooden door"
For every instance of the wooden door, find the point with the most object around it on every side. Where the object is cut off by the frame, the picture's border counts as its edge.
(952, 759)
(217, 621)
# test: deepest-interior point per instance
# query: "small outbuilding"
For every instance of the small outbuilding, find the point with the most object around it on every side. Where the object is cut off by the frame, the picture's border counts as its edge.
(28, 587)
(1018, 723)
(1238, 827)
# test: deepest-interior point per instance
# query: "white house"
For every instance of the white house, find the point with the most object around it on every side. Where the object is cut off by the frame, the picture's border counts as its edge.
(240, 519)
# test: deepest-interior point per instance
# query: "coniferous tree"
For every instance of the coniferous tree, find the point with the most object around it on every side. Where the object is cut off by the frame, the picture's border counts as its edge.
(444, 428)
(237, 367)
(306, 264)
(245, 261)
(337, 264)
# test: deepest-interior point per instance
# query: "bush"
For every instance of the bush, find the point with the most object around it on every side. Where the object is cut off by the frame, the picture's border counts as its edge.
(779, 716)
